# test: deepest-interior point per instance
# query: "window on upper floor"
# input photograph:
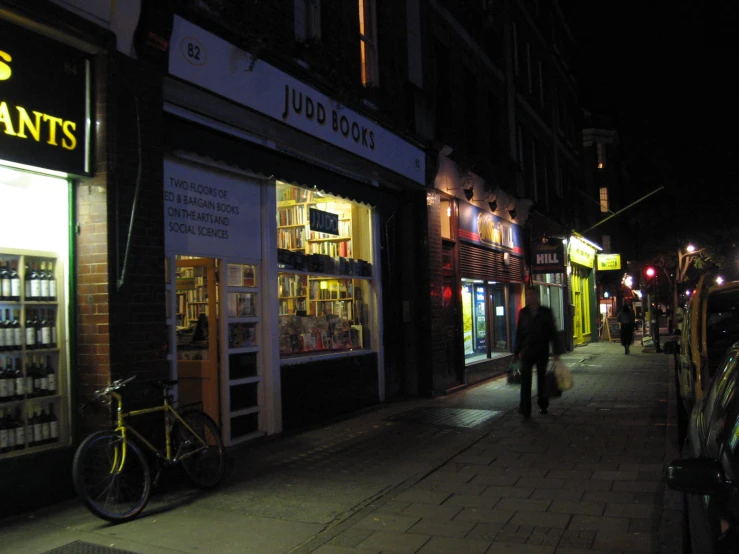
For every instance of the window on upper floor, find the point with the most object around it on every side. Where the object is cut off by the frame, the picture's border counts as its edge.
(606, 243)
(514, 38)
(534, 171)
(529, 73)
(600, 149)
(603, 199)
(541, 84)
(471, 113)
(307, 20)
(368, 43)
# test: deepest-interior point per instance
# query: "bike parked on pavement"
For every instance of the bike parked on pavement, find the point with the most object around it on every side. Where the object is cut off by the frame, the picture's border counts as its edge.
(110, 472)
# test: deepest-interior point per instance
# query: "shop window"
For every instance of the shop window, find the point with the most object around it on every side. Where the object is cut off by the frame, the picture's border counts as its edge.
(484, 320)
(34, 339)
(368, 42)
(325, 281)
(445, 214)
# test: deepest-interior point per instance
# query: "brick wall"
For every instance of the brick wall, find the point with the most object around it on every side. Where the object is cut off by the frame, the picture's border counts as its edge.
(121, 324)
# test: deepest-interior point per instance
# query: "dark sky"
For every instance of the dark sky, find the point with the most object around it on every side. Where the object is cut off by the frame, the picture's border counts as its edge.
(668, 72)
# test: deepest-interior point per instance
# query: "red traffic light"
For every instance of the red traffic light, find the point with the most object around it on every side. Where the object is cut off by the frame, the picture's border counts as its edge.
(650, 271)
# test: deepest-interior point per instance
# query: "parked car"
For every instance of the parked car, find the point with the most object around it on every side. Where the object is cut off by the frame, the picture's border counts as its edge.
(710, 465)
(709, 327)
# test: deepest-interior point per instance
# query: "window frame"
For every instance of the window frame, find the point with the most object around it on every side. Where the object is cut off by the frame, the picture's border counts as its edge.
(369, 74)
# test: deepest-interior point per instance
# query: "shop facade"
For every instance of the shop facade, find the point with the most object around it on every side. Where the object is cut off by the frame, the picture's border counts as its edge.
(549, 274)
(584, 298)
(47, 109)
(274, 200)
(482, 277)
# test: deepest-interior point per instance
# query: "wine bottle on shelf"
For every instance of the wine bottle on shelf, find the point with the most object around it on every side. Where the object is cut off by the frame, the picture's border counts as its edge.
(43, 280)
(20, 430)
(52, 327)
(10, 378)
(45, 430)
(40, 382)
(30, 373)
(52, 281)
(4, 391)
(15, 282)
(35, 284)
(4, 280)
(4, 431)
(4, 331)
(53, 424)
(20, 380)
(50, 376)
(44, 331)
(35, 424)
(17, 331)
(10, 426)
(30, 330)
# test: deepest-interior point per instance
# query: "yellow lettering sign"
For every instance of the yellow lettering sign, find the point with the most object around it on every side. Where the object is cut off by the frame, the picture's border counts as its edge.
(40, 127)
(5, 70)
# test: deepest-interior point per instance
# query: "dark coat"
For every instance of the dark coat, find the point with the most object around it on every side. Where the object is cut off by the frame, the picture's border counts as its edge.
(534, 333)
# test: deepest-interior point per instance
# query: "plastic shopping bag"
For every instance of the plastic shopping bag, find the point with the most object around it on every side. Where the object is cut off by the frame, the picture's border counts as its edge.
(564, 376)
(514, 373)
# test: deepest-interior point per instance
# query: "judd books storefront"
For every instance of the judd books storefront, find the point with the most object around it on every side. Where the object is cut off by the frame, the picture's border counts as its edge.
(273, 197)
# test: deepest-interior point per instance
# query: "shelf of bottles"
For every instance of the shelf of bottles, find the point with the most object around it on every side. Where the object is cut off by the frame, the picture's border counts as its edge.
(30, 383)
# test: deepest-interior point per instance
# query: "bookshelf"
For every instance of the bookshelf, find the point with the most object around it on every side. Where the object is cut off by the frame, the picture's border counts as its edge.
(191, 295)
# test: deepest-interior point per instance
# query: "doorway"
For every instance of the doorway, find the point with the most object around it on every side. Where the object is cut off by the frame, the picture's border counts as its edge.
(197, 334)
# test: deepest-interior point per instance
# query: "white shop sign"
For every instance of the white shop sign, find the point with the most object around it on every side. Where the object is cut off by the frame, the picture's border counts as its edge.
(210, 213)
(208, 61)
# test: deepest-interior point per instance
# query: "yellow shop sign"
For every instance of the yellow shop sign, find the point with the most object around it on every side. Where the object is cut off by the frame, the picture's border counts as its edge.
(607, 262)
(581, 252)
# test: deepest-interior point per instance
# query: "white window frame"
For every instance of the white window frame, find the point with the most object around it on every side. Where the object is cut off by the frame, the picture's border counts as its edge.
(368, 43)
(307, 20)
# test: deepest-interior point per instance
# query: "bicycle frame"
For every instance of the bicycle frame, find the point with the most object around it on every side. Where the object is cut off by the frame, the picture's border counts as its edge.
(122, 426)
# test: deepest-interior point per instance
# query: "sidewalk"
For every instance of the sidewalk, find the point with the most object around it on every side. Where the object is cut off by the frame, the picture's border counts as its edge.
(458, 474)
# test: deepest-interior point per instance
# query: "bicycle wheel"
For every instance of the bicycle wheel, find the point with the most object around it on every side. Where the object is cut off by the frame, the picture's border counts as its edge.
(114, 489)
(205, 468)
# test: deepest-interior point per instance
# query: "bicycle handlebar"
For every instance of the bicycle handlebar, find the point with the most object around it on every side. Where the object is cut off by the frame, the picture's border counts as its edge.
(115, 385)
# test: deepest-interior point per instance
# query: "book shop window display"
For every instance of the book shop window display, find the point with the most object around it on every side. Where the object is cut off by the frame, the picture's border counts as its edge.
(325, 280)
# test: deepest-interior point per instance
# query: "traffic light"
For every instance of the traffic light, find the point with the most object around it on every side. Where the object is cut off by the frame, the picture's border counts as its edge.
(650, 272)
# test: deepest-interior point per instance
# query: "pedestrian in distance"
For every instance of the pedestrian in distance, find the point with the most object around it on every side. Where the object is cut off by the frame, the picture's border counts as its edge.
(626, 320)
(535, 331)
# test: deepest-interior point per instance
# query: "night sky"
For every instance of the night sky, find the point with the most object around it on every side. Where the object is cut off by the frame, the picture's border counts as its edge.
(667, 71)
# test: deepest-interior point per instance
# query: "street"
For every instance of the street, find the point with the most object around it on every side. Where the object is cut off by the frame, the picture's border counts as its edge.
(461, 473)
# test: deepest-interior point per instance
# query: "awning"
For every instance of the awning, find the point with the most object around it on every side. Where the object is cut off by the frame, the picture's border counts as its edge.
(187, 136)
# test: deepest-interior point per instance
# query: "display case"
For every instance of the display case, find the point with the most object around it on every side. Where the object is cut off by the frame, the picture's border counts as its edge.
(33, 385)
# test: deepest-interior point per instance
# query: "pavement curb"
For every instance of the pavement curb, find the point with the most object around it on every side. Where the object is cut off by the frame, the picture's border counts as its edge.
(672, 541)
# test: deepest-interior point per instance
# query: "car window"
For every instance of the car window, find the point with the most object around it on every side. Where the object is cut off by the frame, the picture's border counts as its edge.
(720, 396)
(722, 325)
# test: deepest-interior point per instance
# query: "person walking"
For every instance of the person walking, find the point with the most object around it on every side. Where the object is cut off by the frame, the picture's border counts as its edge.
(626, 319)
(535, 331)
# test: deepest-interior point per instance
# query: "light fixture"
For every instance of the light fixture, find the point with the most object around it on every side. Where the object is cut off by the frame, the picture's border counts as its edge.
(690, 248)
(468, 187)
(720, 280)
(493, 204)
(512, 213)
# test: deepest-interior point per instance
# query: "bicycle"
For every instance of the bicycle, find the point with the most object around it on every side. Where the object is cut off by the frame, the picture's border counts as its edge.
(110, 472)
